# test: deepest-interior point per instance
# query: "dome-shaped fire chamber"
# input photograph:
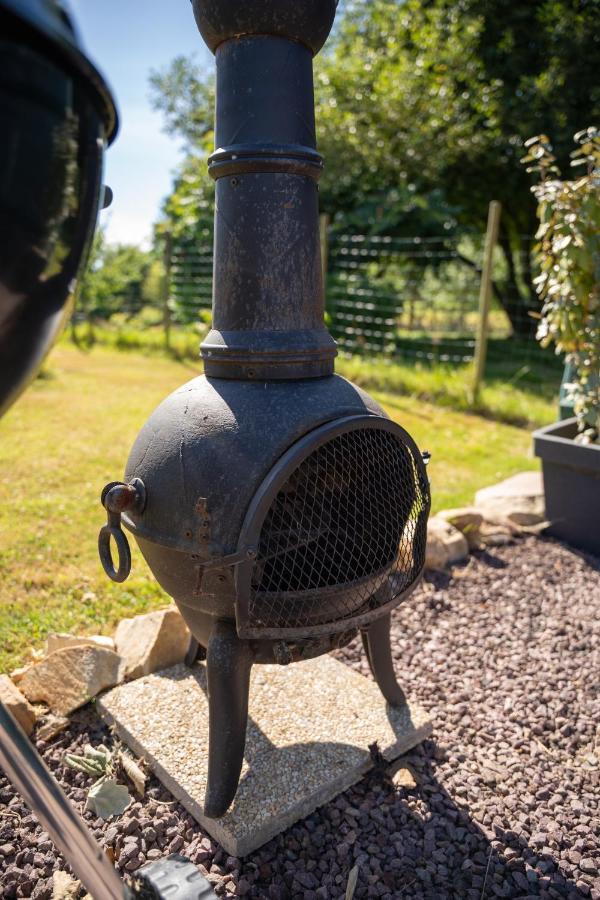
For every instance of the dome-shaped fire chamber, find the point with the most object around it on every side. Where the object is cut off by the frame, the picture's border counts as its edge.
(297, 509)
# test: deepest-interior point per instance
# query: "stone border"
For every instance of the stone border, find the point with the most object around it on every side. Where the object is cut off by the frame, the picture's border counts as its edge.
(500, 514)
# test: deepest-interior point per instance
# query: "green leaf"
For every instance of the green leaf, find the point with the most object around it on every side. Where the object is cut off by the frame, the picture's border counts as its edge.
(82, 764)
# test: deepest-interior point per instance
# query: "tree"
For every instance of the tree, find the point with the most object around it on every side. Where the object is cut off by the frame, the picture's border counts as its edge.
(114, 280)
(185, 94)
(445, 93)
(417, 96)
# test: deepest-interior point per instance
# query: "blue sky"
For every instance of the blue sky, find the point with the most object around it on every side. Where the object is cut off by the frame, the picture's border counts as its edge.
(126, 39)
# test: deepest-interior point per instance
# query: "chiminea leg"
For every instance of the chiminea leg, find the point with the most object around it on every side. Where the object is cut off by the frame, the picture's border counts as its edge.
(195, 652)
(376, 642)
(228, 664)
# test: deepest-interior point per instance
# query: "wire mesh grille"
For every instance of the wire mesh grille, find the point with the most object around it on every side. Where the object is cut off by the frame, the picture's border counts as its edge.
(345, 534)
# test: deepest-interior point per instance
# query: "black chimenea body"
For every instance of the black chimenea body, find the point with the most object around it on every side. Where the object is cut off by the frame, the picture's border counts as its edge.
(273, 500)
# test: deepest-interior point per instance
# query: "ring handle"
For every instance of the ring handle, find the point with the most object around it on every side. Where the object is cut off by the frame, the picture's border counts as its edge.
(118, 497)
(120, 573)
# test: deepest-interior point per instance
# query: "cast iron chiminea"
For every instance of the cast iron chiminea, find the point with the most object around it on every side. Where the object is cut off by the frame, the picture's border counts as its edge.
(274, 501)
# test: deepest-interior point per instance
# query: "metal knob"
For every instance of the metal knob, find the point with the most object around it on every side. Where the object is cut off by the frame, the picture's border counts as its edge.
(119, 497)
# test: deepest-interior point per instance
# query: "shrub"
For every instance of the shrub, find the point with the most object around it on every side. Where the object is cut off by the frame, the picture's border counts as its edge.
(568, 255)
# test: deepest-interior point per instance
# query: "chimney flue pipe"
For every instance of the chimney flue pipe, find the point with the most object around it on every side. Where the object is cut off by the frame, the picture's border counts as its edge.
(268, 302)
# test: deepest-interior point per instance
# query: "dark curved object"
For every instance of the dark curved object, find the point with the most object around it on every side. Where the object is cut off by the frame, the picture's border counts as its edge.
(228, 664)
(308, 22)
(46, 26)
(378, 650)
(56, 117)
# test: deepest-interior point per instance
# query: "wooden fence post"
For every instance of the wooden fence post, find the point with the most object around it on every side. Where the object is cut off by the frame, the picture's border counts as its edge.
(166, 289)
(485, 295)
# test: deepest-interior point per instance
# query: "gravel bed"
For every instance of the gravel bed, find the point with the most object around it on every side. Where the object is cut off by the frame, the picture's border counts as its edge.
(505, 655)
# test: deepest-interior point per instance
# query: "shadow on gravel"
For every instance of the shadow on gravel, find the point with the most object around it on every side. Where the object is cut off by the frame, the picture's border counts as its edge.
(488, 559)
(414, 844)
(439, 851)
(592, 561)
(418, 844)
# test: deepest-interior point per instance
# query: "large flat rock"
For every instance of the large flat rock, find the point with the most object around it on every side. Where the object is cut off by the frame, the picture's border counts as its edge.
(523, 484)
(309, 729)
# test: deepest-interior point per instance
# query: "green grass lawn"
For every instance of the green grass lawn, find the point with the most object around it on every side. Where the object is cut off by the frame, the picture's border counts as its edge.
(520, 388)
(71, 433)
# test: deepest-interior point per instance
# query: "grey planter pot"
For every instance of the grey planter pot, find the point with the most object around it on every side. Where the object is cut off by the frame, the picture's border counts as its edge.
(571, 475)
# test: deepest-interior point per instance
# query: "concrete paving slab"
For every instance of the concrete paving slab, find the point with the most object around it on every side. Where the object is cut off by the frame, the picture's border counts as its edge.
(308, 734)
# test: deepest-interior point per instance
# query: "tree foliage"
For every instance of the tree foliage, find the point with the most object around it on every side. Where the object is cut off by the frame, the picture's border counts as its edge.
(118, 278)
(185, 94)
(423, 107)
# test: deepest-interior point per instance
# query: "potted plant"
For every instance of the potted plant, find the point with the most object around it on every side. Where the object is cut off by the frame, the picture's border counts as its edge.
(568, 256)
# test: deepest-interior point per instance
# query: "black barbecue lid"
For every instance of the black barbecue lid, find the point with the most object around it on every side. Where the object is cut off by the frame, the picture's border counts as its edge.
(48, 24)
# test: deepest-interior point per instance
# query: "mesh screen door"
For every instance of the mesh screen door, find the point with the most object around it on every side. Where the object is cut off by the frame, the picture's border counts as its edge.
(337, 530)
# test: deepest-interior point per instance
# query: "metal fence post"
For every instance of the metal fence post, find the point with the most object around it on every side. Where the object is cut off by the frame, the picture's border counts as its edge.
(324, 237)
(166, 288)
(485, 295)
